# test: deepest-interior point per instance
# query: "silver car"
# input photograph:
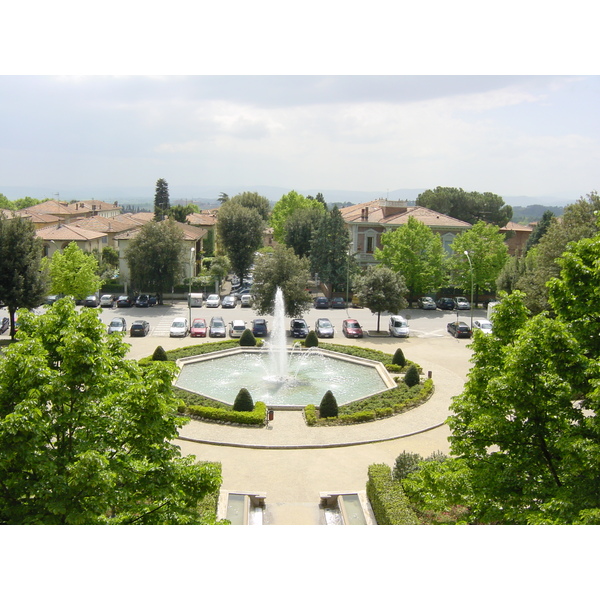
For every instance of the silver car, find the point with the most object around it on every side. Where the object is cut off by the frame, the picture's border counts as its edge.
(213, 301)
(399, 326)
(324, 328)
(117, 324)
(179, 328)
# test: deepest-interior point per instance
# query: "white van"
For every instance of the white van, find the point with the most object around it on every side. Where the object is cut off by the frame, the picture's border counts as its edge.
(195, 300)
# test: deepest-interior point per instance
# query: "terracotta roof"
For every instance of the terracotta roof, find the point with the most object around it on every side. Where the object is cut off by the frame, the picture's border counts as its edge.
(54, 207)
(190, 232)
(203, 218)
(68, 232)
(105, 224)
(511, 226)
(386, 212)
(39, 217)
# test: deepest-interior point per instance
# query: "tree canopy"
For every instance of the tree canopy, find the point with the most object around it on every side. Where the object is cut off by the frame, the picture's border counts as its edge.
(300, 227)
(381, 290)
(86, 435)
(257, 202)
(415, 252)
(281, 268)
(22, 275)
(287, 205)
(73, 272)
(156, 256)
(467, 206)
(161, 200)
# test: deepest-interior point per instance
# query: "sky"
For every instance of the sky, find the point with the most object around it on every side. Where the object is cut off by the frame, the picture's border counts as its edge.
(238, 124)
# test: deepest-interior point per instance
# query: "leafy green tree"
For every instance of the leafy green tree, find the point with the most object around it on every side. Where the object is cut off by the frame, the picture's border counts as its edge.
(243, 401)
(180, 212)
(539, 230)
(283, 269)
(381, 290)
(5, 203)
(219, 268)
(416, 253)
(86, 436)
(22, 276)
(330, 246)
(328, 406)
(467, 206)
(26, 202)
(156, 257)
(488, 254)
(73, 273)
(520, 425)
(240, 230)
(255, 201)
(161, 200)
(110, 256)
(300, 227)
(287, 205)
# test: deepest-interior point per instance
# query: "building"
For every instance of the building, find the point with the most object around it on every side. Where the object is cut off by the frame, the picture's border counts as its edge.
(369, 220)
(516, 237)
(58, 237)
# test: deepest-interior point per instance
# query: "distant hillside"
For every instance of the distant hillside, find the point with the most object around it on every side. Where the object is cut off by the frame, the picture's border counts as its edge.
(533, 213)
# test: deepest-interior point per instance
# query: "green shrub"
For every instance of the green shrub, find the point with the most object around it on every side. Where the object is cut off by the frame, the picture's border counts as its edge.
(390, 505)
(412, 376)
(159, 354)
(256, 417)
(247, 338)
(406, 463)
(243, 401)
(392, 368)
(311, 341)
(328, 406)
(310, 414)
(399, 358)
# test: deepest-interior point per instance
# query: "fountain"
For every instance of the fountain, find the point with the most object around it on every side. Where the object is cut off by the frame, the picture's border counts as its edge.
(282, 376)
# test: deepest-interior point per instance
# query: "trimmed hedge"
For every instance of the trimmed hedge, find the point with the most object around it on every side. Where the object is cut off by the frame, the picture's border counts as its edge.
(388, 501)
(256, 417)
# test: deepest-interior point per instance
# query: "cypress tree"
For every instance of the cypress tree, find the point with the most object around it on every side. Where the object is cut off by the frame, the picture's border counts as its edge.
(159, 354)
(412, 376)
(243, 401)
(399, 358)
(328, 406)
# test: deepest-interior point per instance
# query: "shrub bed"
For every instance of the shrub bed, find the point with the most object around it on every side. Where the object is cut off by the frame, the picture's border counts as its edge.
(256, 417)
(390, 505)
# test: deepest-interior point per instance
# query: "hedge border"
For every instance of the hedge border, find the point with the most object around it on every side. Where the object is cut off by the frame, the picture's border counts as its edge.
(386, 496)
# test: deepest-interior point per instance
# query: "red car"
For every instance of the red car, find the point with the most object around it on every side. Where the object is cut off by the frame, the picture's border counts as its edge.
(351, 328)
(198, 328)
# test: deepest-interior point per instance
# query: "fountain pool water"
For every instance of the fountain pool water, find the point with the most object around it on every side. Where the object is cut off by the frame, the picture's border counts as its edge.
(282, 376)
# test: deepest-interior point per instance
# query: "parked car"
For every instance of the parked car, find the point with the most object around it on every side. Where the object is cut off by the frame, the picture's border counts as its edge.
(139, 328)
(351, 328)
(398, 326)
(92, 301)
(107, 301)
(152, 300)
(53, 298)
(198, 328)
(246, 301)
(426, 303)
(124, 302)
(213, 301)
(229, 302)
(445, 304)
(338, 303)
(241, 292)
(298, 328)
(461, 303)
(324, 328)
(321, 302)
(236, 328)
(142, 301)
(459, 329)
(217, 327)
(179, 327)
(259, 328)
(483, 325)
(117, 324)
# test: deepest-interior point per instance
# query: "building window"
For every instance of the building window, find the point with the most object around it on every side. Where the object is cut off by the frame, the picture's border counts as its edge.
(447, 239)
(370, 245)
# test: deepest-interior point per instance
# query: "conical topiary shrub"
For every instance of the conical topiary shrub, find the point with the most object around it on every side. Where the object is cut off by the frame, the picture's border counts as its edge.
(243, 401)
(311, 340)
(159, 354)
(247, 338)
(412, 376)
(399, 358)
(328, 406)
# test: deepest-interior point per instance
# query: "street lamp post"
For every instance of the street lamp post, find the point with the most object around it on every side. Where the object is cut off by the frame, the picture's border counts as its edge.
(471, 269)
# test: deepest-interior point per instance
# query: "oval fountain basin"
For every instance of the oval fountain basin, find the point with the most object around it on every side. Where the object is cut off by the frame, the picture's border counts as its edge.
(221, 375)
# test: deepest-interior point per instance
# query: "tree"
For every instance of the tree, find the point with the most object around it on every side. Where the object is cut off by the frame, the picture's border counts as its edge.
(287, 205)
(156, 257)
(415, 252)
(328, 406)
(300, 227)
(330, 246)
(161, 200)
(488, 254)
(520, 426)
(467, 206)
(86, 435)
(220, 267)
(539, 230)
(283, 269)
(381, 290)
(110, 256)
(243, 401)
(240, 230)
(180, 212)
(74, 273)
(22, 276)
(255, 201)
(412, 378)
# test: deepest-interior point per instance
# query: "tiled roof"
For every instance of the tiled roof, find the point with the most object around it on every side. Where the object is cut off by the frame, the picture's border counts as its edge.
(203, 218)
(105, 224)
(68, 233)
(511, 226)
(394, 213)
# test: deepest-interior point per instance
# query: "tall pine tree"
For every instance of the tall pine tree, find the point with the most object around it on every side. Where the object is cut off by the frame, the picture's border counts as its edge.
(161, 200)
